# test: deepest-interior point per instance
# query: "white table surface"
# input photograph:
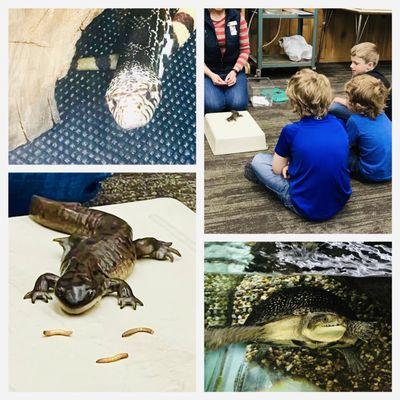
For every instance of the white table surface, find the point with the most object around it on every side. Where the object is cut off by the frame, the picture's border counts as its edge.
(164, 361)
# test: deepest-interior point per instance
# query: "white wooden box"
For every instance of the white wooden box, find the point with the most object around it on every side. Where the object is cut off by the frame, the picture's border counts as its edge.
(162, 362)
(237, 136)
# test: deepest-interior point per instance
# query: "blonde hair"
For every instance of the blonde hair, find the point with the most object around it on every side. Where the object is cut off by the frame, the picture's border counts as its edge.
(309, 93)
(367, 51)
(367, 95)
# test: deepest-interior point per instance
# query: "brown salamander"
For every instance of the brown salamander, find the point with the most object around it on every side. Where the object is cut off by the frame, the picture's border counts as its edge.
(98, 255)
(234, 116)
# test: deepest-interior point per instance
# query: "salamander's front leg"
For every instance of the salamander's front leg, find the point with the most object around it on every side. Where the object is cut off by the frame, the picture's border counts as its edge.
(124, 292)
(43, 285)
(156, 249)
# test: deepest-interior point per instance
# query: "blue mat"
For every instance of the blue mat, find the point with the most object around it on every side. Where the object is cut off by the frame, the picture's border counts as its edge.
(87, 133)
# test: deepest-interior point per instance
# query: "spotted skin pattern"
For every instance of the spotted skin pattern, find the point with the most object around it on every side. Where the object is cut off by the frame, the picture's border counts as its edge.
(297, 301)
(98, 255)
(135, 91)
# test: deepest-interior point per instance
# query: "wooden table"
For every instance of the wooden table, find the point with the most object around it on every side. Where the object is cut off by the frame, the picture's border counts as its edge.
(360, 14)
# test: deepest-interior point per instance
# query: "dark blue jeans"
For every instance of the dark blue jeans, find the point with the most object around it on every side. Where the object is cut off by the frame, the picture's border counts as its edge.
(354, 166)
(224, 98)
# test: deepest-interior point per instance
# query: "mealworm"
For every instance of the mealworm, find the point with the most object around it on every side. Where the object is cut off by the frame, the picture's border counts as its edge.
(59, 332)
(119, 356)
(130, 332)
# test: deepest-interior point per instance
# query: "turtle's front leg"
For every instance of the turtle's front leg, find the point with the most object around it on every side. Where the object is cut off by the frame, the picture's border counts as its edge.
(354, 363)
(43, 285)
(156, 249)
(124, 292)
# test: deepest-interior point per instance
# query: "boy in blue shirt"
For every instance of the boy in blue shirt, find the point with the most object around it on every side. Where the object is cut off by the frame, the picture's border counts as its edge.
(364, 60)
(369, 130)
(309, 169)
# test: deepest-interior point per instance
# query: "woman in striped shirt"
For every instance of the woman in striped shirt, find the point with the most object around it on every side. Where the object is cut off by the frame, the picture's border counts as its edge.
(226, 51)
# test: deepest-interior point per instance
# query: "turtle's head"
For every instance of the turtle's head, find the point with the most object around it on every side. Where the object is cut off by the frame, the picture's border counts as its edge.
(133, 97)
(324, 327)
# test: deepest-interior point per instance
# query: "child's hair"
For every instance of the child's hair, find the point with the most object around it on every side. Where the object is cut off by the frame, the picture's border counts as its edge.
(367, 95)
(309, 93)
(366, 51)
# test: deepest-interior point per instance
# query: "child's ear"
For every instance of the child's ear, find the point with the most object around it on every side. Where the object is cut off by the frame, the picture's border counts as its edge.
(370, 66)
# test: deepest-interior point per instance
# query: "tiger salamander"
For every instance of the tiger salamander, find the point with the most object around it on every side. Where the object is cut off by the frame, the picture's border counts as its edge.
(98, 255)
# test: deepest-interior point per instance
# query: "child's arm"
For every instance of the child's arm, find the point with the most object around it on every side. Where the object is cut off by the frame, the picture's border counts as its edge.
(353, 132)
(279, 163)
(341, 101)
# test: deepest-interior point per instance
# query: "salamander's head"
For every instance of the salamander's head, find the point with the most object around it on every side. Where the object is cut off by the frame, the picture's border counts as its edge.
(77, 292)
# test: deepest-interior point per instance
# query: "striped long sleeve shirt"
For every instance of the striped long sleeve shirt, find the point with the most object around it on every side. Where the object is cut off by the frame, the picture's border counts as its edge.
(243, 41)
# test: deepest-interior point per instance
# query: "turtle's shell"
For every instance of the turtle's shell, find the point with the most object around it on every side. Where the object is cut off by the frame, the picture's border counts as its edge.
(298, 301)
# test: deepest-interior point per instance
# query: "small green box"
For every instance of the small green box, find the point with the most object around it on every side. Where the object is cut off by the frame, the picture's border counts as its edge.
(276, 94)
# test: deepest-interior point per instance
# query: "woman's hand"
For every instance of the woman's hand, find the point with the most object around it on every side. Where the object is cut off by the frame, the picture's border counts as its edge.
(217, 80)
(231, 78)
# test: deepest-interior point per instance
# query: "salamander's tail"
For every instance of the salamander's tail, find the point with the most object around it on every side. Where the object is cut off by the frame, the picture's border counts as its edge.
(74, 218)
(61, 216)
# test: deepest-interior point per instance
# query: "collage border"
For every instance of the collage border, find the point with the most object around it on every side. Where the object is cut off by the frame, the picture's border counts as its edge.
(201, 238)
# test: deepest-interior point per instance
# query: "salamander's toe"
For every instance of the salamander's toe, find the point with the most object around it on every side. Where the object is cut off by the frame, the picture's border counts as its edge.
(38, 295)
(164, 251)
(129, 301)
(155, 249)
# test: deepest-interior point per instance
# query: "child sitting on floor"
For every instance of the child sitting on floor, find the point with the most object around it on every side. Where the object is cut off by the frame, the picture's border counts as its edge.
(364, 59)
(309, 170)
(369, 130)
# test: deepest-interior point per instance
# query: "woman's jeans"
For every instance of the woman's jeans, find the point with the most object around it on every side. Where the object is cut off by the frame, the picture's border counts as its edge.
(262, 167)
(224, 98)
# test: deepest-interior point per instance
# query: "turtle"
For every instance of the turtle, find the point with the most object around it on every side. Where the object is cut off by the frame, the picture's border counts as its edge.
(300, 316)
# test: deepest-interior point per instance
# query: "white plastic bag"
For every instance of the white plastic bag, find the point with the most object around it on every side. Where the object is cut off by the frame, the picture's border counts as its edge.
(260, 101)
(296, 47)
